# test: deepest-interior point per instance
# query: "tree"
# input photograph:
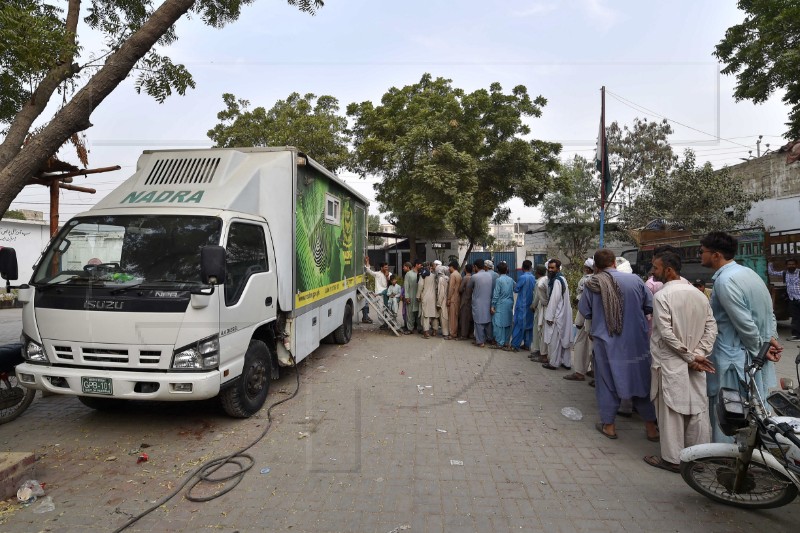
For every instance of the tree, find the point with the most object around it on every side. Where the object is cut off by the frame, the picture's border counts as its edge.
(571, 215)
(39, 49)
(764, 54)
(315, 128)
(449, 159)
(635, 155)
(374, 225)
(698, 197)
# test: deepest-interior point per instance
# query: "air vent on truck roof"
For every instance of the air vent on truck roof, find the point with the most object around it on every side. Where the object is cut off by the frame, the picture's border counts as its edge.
(177, 171)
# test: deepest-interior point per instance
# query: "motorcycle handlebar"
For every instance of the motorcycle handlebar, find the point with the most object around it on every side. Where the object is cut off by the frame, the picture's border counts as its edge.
(761, 357)
(788, 431)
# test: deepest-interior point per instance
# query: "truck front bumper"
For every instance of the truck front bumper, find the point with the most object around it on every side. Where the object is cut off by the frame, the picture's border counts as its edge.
(159, 386)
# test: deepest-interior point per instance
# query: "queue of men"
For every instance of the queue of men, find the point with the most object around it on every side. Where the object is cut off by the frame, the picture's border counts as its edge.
(663, 347)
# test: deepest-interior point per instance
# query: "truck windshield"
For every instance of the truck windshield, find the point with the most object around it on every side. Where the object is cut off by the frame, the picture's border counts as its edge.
(127, 250)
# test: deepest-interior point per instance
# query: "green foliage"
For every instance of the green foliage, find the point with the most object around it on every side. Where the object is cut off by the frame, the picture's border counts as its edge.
(373, 225)
(571, 213)
(449, 159)
(14, 214)
(314, 127)
(764, 54)
(698, 197)
(638, 153)
(32, 41)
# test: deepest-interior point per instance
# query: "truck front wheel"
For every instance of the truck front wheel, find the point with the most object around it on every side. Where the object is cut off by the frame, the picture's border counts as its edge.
(248, 394)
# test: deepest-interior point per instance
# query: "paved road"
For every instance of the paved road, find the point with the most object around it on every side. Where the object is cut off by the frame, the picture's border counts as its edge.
(385, 435)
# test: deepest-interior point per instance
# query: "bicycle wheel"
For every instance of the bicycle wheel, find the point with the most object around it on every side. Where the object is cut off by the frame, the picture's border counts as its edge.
(713, 477)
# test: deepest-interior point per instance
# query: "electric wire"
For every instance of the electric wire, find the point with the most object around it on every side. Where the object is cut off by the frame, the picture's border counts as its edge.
(642, 109)
(203, 473)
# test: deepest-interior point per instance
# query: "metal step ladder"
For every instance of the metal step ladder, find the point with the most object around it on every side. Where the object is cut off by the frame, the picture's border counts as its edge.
(376, 303)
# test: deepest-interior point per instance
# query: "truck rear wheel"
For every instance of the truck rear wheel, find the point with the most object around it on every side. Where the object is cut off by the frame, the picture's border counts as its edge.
(343, 333)
(248, 394)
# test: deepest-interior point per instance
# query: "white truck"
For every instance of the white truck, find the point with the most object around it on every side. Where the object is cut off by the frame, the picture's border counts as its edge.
(199, 276)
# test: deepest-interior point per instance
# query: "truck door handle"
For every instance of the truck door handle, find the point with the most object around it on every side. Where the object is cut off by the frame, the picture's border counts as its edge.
(268, 301)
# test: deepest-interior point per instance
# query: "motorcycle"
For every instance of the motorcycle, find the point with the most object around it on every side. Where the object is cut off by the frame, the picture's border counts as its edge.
(761, 470)
(14, 398)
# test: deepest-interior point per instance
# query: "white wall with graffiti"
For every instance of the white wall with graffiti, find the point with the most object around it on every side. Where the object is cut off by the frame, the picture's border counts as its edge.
(28, 238)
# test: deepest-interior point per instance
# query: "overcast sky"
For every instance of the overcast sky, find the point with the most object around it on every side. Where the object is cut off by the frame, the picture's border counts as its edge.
(653, 57)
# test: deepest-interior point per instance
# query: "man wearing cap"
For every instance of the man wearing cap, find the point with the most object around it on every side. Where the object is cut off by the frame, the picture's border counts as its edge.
(488, 265)
(582, 351)
(700, 285)
(481, 303)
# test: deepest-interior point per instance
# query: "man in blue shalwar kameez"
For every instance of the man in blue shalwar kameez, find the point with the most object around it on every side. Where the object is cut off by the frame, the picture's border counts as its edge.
(481, 303)
(743, 310)
(522, 335)
(616, 303)
(502, 307)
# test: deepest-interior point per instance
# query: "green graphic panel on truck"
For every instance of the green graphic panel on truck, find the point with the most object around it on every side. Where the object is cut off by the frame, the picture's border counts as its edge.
(325, 251)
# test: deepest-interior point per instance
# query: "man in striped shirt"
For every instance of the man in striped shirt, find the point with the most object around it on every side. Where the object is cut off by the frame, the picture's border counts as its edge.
(791, 276)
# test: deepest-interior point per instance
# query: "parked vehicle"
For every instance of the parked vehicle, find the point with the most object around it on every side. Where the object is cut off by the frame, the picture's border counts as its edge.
(756, 248)
(761, 470)
(198, 277)
(14, 398)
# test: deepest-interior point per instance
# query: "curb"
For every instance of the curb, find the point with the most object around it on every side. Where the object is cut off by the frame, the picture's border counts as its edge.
(15, 467)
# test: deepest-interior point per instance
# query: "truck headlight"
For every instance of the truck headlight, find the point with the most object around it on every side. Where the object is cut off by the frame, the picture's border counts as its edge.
(34, 352)
(201, 355)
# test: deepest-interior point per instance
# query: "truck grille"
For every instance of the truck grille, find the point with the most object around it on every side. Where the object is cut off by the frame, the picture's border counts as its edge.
(92, 355)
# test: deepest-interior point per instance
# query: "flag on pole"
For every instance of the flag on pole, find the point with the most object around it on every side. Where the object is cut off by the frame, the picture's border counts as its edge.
(601, 162)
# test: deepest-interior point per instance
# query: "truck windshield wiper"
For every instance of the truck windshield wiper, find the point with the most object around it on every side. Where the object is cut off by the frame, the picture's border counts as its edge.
(48, 285)
(120, 290)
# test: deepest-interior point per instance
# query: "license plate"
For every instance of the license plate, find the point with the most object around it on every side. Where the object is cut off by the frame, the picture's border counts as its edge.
(96, 385)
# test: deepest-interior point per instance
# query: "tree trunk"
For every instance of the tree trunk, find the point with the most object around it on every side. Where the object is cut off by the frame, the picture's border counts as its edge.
(466, 256)
(25, 161)
(412, 247)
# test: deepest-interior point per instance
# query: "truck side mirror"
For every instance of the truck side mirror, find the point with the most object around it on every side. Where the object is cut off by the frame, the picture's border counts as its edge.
(212, 264)
(8, 263)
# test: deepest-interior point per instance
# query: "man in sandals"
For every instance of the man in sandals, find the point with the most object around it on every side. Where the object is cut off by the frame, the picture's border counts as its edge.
(616, 303)
(683, 336)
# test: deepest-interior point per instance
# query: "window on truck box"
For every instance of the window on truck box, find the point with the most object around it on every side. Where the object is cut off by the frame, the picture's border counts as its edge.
(333, 209)
(246, 255)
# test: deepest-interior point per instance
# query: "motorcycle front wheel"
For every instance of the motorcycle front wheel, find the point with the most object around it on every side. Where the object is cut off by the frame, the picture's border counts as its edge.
(713, 477)
(14, 398)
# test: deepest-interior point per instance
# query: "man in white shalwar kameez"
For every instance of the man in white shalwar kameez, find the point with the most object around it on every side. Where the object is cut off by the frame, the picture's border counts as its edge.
(558, 319)
(539, 305)
(683, 336)
(582, 346)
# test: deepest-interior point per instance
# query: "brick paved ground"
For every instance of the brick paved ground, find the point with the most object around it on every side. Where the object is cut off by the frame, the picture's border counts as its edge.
(378, 455)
